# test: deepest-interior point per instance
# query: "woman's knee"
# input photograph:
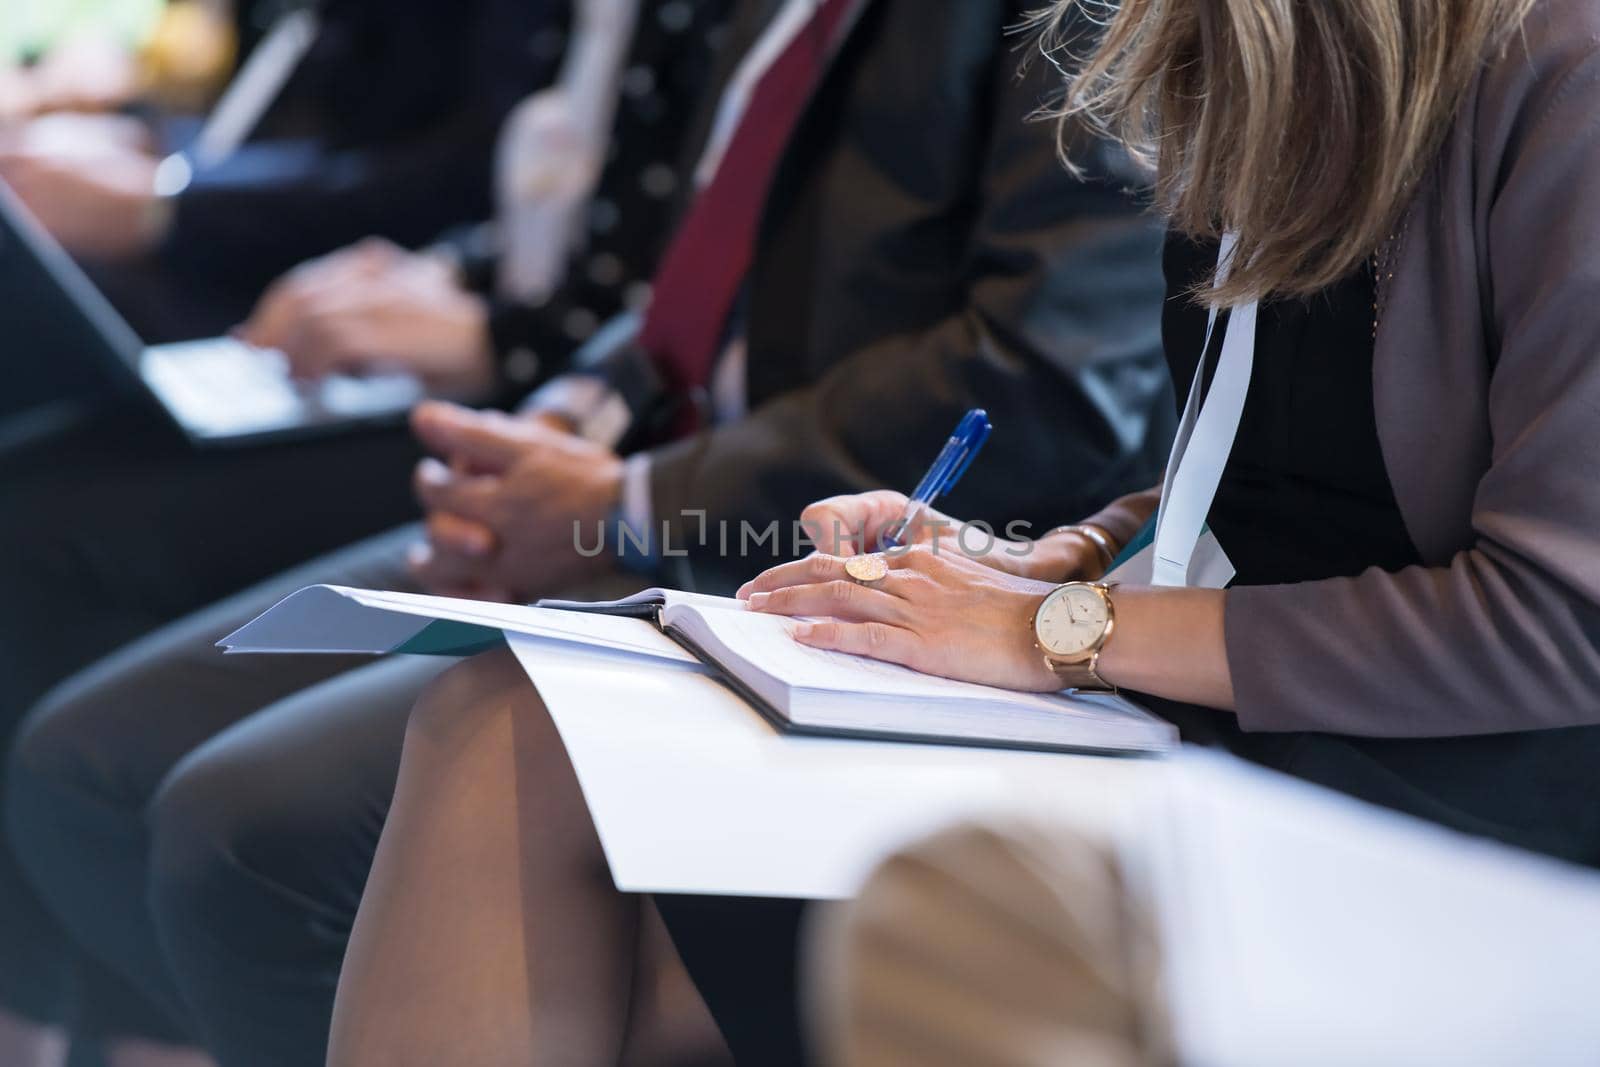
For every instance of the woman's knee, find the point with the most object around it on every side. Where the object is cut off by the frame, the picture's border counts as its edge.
(486, 692)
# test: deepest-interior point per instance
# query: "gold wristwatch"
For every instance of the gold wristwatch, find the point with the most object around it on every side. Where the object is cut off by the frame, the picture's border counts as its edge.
(1070, 628)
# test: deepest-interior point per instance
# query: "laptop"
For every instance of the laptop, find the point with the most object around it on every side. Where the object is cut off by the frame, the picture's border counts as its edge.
(218, 391)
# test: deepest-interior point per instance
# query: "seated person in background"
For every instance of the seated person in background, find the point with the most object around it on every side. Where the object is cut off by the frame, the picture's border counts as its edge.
(126, 530)
(79, 57)
(106, 55)
(849, 278)
(1409, 504)
(385, 126)
(482, 312)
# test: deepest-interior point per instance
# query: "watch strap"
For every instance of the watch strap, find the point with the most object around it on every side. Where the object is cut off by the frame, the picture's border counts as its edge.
(1083, 676)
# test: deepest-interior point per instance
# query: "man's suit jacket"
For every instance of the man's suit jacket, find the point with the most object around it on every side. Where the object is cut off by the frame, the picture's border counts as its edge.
(387, 127)
(924, 251)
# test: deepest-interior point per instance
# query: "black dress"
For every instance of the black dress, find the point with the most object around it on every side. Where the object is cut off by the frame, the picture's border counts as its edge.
(1305, 496)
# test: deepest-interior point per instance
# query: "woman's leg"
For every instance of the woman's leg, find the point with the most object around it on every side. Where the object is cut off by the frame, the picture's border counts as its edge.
(490, 932)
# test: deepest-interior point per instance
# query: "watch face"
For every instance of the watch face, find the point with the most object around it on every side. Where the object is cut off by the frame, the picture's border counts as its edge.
(1072, 620)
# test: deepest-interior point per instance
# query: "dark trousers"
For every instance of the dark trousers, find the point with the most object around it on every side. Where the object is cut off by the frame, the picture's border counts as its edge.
(203, 824)
(110, 526)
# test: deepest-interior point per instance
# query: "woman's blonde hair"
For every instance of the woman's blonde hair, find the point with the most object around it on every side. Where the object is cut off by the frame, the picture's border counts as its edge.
(1303, 125)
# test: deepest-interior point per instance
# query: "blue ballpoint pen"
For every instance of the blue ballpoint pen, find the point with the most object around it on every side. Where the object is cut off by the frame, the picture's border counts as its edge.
(951, 463)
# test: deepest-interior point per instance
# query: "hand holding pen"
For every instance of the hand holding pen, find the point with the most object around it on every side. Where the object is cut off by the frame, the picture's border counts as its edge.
(952, 462)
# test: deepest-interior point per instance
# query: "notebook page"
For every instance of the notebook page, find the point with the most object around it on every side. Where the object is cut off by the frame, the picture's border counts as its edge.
(700, 601)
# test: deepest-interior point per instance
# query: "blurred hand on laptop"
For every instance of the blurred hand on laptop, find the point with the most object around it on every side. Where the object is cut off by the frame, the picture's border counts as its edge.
(506, 503)
(375, 308)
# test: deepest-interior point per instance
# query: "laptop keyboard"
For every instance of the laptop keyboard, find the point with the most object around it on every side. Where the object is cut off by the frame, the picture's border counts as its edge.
(222, 387)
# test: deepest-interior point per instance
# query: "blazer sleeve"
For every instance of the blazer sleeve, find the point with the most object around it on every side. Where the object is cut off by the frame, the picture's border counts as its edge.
(1506, 637)
(1055, 333)
(274, 204)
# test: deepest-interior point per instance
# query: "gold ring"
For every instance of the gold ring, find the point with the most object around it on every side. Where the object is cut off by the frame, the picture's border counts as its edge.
(866, 570)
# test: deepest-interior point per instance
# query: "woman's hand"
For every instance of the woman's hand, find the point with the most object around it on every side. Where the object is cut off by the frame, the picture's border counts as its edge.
(936, 612)
(852, 525)
(837, 526)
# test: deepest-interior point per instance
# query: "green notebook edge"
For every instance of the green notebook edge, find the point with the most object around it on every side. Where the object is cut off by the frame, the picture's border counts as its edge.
(445, 637)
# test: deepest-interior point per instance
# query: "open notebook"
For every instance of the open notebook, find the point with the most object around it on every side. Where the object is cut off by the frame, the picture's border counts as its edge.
(800, 689)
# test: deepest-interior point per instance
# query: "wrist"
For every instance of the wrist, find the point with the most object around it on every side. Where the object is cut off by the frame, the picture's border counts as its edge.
(1103, 547)
(1170, 643)
(1041, 675)
(1083, 551)
(1072, 624)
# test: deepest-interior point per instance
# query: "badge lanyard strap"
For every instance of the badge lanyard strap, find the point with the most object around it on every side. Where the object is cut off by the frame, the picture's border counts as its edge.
(1205, 436)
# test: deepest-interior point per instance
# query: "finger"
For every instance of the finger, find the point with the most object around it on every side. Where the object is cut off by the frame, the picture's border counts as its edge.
(553, 420)
(484, 442)
(876, 640)
(851, 524)
(312, 362)
(462, 536)
(835, 600)
(921, 558)
(836, 527)
(446, 573)
(273, 314)
(467, 496)
(817, 567)
(18, 167)
(372, 254)
(360, 260)
(266, 326)
(328, 342)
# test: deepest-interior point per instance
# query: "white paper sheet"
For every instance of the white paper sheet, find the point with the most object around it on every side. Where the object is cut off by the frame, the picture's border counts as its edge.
(1300, 926)
(1303, 927)
(693, 792)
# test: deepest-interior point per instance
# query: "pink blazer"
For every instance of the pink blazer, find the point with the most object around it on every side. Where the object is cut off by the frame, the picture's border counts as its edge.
(1487, 390)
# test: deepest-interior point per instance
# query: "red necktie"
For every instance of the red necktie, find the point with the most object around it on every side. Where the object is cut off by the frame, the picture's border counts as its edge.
(703, 268)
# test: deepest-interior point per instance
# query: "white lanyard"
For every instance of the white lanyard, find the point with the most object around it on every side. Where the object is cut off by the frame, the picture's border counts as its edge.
(256, 86)
(1205, 437)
